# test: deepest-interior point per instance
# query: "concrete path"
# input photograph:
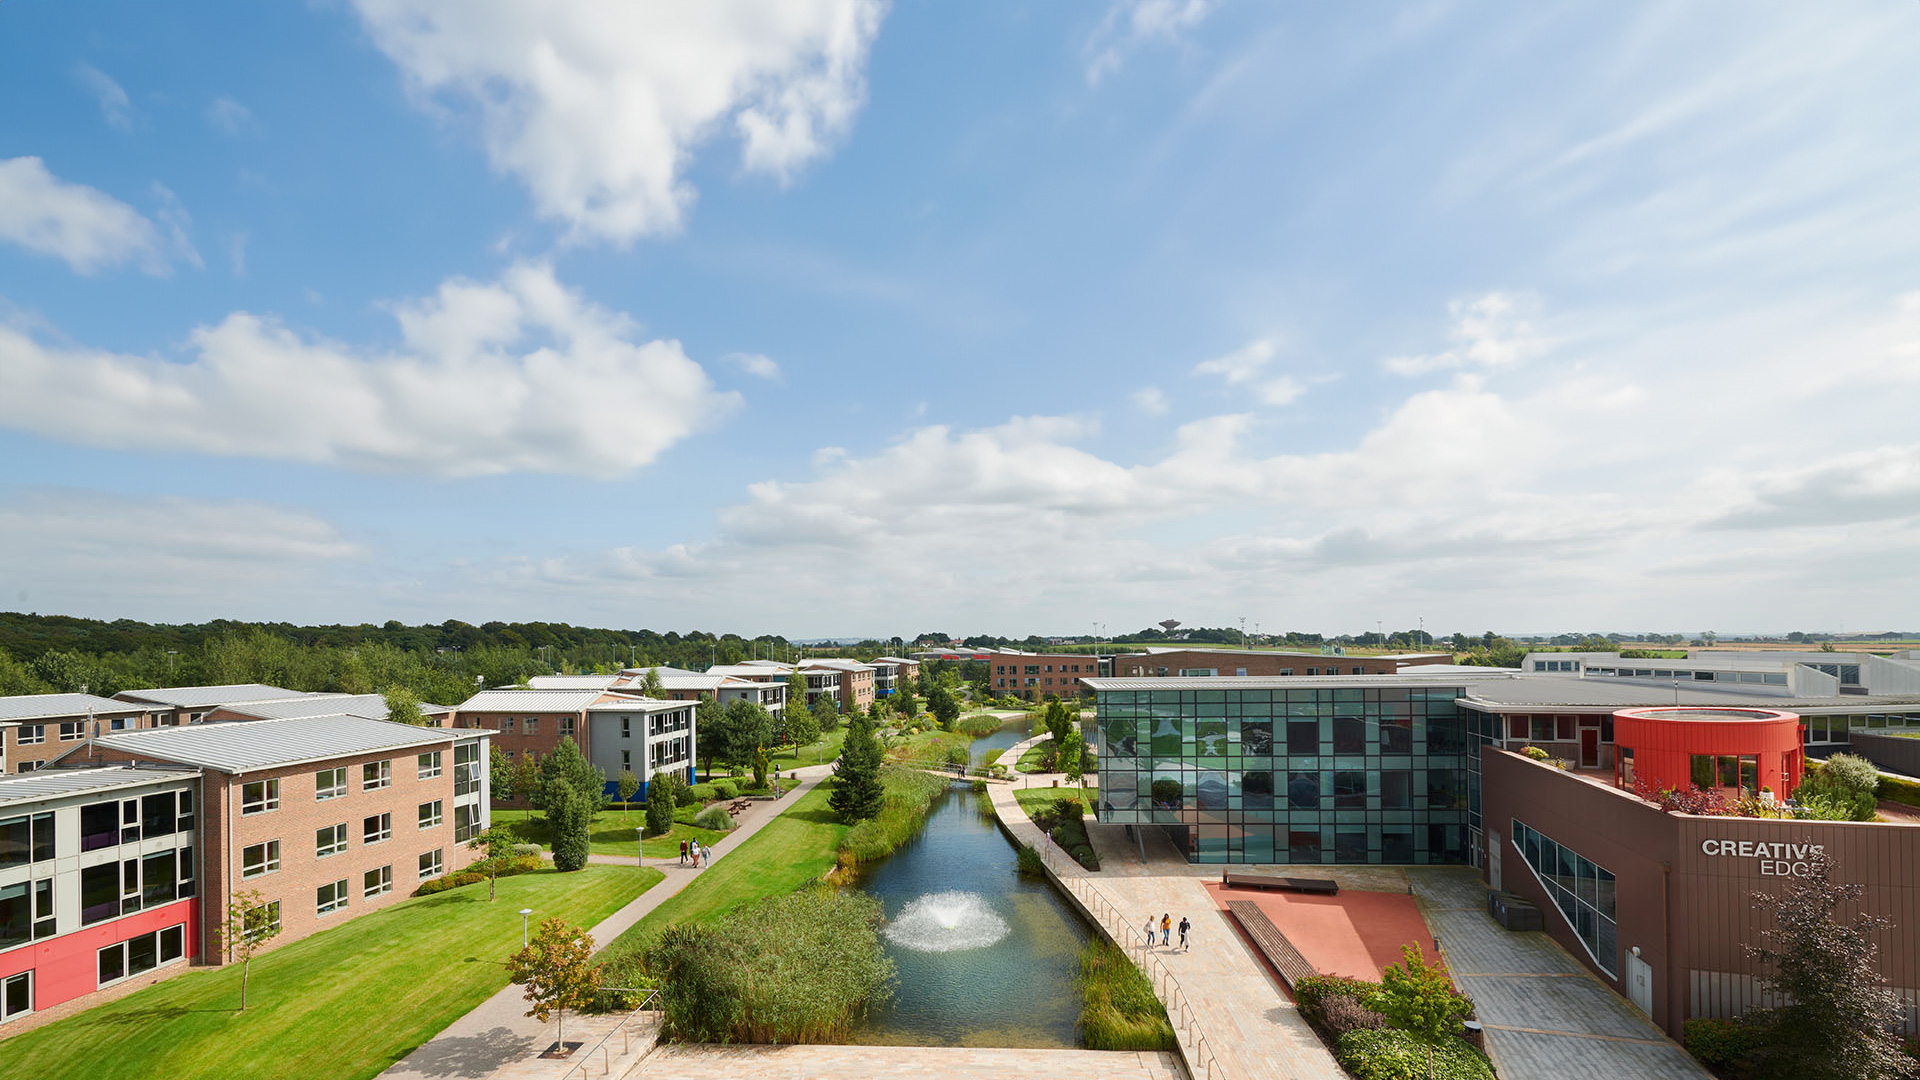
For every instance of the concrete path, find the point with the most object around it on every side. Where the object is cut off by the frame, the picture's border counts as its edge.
(497, 1039)
(709, 1062)
(1547, 1017)
(1231, 1021)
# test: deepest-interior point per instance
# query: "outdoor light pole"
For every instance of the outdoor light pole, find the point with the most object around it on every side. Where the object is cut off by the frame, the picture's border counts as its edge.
(524, 913)
(639, 852)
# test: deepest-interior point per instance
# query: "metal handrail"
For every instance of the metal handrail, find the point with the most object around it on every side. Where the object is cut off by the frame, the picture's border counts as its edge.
(606, 1052)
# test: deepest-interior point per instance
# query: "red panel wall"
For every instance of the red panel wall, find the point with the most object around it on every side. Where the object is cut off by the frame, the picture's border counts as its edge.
(66, 967)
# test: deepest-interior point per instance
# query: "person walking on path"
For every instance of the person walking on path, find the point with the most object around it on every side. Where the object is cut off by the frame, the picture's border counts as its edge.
(1166, 928)
(683, 853)
(1149, 930)
(694, 850)
(1184, 927)
(706, 855)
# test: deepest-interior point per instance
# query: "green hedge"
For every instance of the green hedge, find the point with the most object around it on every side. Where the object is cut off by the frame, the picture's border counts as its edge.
(715, 818)
(518, 864)
(1895, 789)
(1720, 1043)
(1398, 1055)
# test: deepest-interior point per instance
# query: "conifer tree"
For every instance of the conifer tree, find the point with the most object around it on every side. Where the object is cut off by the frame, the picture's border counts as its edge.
(857, 791)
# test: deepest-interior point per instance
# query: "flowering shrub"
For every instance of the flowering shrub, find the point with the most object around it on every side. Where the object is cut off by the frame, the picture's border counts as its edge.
(1690, 800)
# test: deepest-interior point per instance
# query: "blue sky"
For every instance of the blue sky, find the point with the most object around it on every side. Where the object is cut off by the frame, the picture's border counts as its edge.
(829, 317)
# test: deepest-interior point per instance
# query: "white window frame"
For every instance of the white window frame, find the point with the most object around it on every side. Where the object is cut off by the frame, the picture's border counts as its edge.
(340, 841)
(269, 797)
(73, 730)
(4, 1014)
(38, 736)
(382, 775)
(323, 907)
(431, 818)
(381, 834)
(432, 864)
(269, 860)
(272, 923)
(330, 784)
(382, 882)
(428, 765)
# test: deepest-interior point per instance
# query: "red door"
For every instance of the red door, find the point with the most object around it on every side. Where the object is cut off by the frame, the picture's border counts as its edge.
(1590, 749)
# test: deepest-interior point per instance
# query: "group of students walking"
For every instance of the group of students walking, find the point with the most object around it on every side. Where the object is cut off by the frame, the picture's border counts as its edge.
(691, 849)
(1166, 931)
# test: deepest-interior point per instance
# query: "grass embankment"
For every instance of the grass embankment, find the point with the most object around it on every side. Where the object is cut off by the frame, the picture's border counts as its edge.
(613, 831)
(1035, 759)
(1059, 811)
(826, 749)
(344, 1003)
(1118, 1010)
(909, 795)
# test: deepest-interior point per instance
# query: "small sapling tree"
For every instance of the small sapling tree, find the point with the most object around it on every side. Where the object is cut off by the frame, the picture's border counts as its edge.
(251, 923)
(496, 847)
(629, 786)
(556, 973)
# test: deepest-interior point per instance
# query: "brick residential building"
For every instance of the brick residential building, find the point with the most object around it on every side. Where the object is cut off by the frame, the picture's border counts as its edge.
(37, 728)
(1035, 675)
(889, 670)
(615, 731)
(191, 704)
(1262, 663)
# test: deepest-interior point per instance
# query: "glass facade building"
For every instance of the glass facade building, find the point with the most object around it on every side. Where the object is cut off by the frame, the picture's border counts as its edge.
(1258, 770)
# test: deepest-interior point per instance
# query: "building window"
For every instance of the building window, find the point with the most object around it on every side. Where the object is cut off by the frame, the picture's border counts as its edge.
(626, 727)
(258, 859)
(330, 898)
(626, 760)
(466, 822)
(1727, 771)
(429, 765)
(16, 996)
(331, 840)
(375, 775)
(375, 882)
(376, 828)
(506, 723)
(1349, 735)
(430, 865)
(264, 919)
(533, 725)
(466, 768)
(99, 893)
(137, 956)
(566, 725)
(26, 912)
(1543, 729)
(430, 814)
(28, 838)
(1582, 889)
(73, 731)
(259, 796)
(1350, 790)
(329, 784)
(31, 734)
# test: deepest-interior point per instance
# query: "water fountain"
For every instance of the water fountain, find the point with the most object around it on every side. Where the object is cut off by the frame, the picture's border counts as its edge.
(947, 922)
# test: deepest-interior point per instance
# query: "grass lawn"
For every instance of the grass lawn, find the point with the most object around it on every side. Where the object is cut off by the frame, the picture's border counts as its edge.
(612, 832)
(794, 848)
(928, 746)
(1030, 761)
(827, 749)
(343, 1003)
(1040, 800)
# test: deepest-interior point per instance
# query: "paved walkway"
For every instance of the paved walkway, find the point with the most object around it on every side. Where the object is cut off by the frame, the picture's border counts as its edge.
(1547, 1017)
(497, 1039)
(678, 1061)
(1231, 1021)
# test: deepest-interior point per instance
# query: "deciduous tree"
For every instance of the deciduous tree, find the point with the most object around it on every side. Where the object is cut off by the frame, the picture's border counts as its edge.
(802, 728)
(496, 844)
(825, 716)
(403, 707)
(557, 973)
(943, 706)
(651, 686)
(251, 923)
(628, 786)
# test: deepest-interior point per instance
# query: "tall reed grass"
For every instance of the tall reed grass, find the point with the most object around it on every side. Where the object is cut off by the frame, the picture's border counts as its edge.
(1118, 1010)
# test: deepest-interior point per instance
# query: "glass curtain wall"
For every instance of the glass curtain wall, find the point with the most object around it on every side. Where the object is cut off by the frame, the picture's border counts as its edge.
(1313, 775)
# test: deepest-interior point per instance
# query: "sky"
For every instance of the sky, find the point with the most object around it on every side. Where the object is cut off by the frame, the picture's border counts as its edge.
(834, 317)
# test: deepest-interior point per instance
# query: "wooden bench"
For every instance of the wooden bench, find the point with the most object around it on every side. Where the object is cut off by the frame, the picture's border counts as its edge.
(1249, 879)
(1272, 943)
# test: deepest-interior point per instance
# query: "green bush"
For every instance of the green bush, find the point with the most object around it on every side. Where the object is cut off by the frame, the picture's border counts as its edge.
(1390, 1054)
(978, 726)
(1340, 1014)
(1030, 861)
(715, 818)
(1841, 789)
(692, 794)
(1313, 992)
(527, 849)
(1721, 1043)
(1117, 1008)
(725, 790)
(799, 968)
(1534, 753)
(1896, 789)
(906, 796)
(959, 755)
(450, 881)
(517, 864)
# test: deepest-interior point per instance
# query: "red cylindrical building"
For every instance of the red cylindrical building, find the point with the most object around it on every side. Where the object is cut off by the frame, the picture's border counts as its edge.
(1753, 750)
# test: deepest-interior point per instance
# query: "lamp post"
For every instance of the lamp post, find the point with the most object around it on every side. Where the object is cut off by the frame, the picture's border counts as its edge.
(524, 913)
(639, 852)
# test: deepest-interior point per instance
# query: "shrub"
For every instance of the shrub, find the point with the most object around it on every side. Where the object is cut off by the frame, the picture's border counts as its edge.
(1390, 1054)
(1721, 1043)
(1895, 789)
(473, 875)
(692, 794)
(715, 818)
(905, 797)
(1313, 992)
(1030, 861)
(450, 881)
(1534, 753)
(798, 968)
(725, 791)
(1420, 998)
(959, 755)
(527, 849)
(1842, 789)
(978, 726)
(1340, 1014)
(1117, 1008)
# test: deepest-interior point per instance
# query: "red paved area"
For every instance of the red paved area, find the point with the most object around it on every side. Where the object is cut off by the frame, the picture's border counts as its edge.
(1356, 933)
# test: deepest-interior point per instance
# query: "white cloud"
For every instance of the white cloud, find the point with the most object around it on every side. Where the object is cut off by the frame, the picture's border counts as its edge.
(1246, 366)
(1130, 24)
(599, 108)
(229, 117)
(86, 228)
(518, 375)
(114, 106)
(1150, 400)
(1488, 333)
(189, 558)
(754, 364)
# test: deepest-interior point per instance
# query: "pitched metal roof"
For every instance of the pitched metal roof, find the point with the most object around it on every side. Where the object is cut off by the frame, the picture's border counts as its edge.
(1409, 677)
(46, 784)
(1608, 692)
(514, 701)
(639, 705)
(246, 745)
(572, 682)
(44, 706)
(372, 705)
(188, 697)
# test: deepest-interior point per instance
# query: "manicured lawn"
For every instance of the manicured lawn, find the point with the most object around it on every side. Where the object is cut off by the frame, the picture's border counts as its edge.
(928, 746)
(1040, 800)
(793, 849)
(827, 749)
(1030, 761)
(613, 831)
(344, 1003)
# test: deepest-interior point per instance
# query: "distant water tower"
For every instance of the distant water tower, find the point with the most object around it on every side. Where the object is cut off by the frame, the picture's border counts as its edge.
(1169, 625)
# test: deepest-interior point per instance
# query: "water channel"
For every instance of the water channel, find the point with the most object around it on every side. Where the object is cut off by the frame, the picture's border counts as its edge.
(986, 957)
